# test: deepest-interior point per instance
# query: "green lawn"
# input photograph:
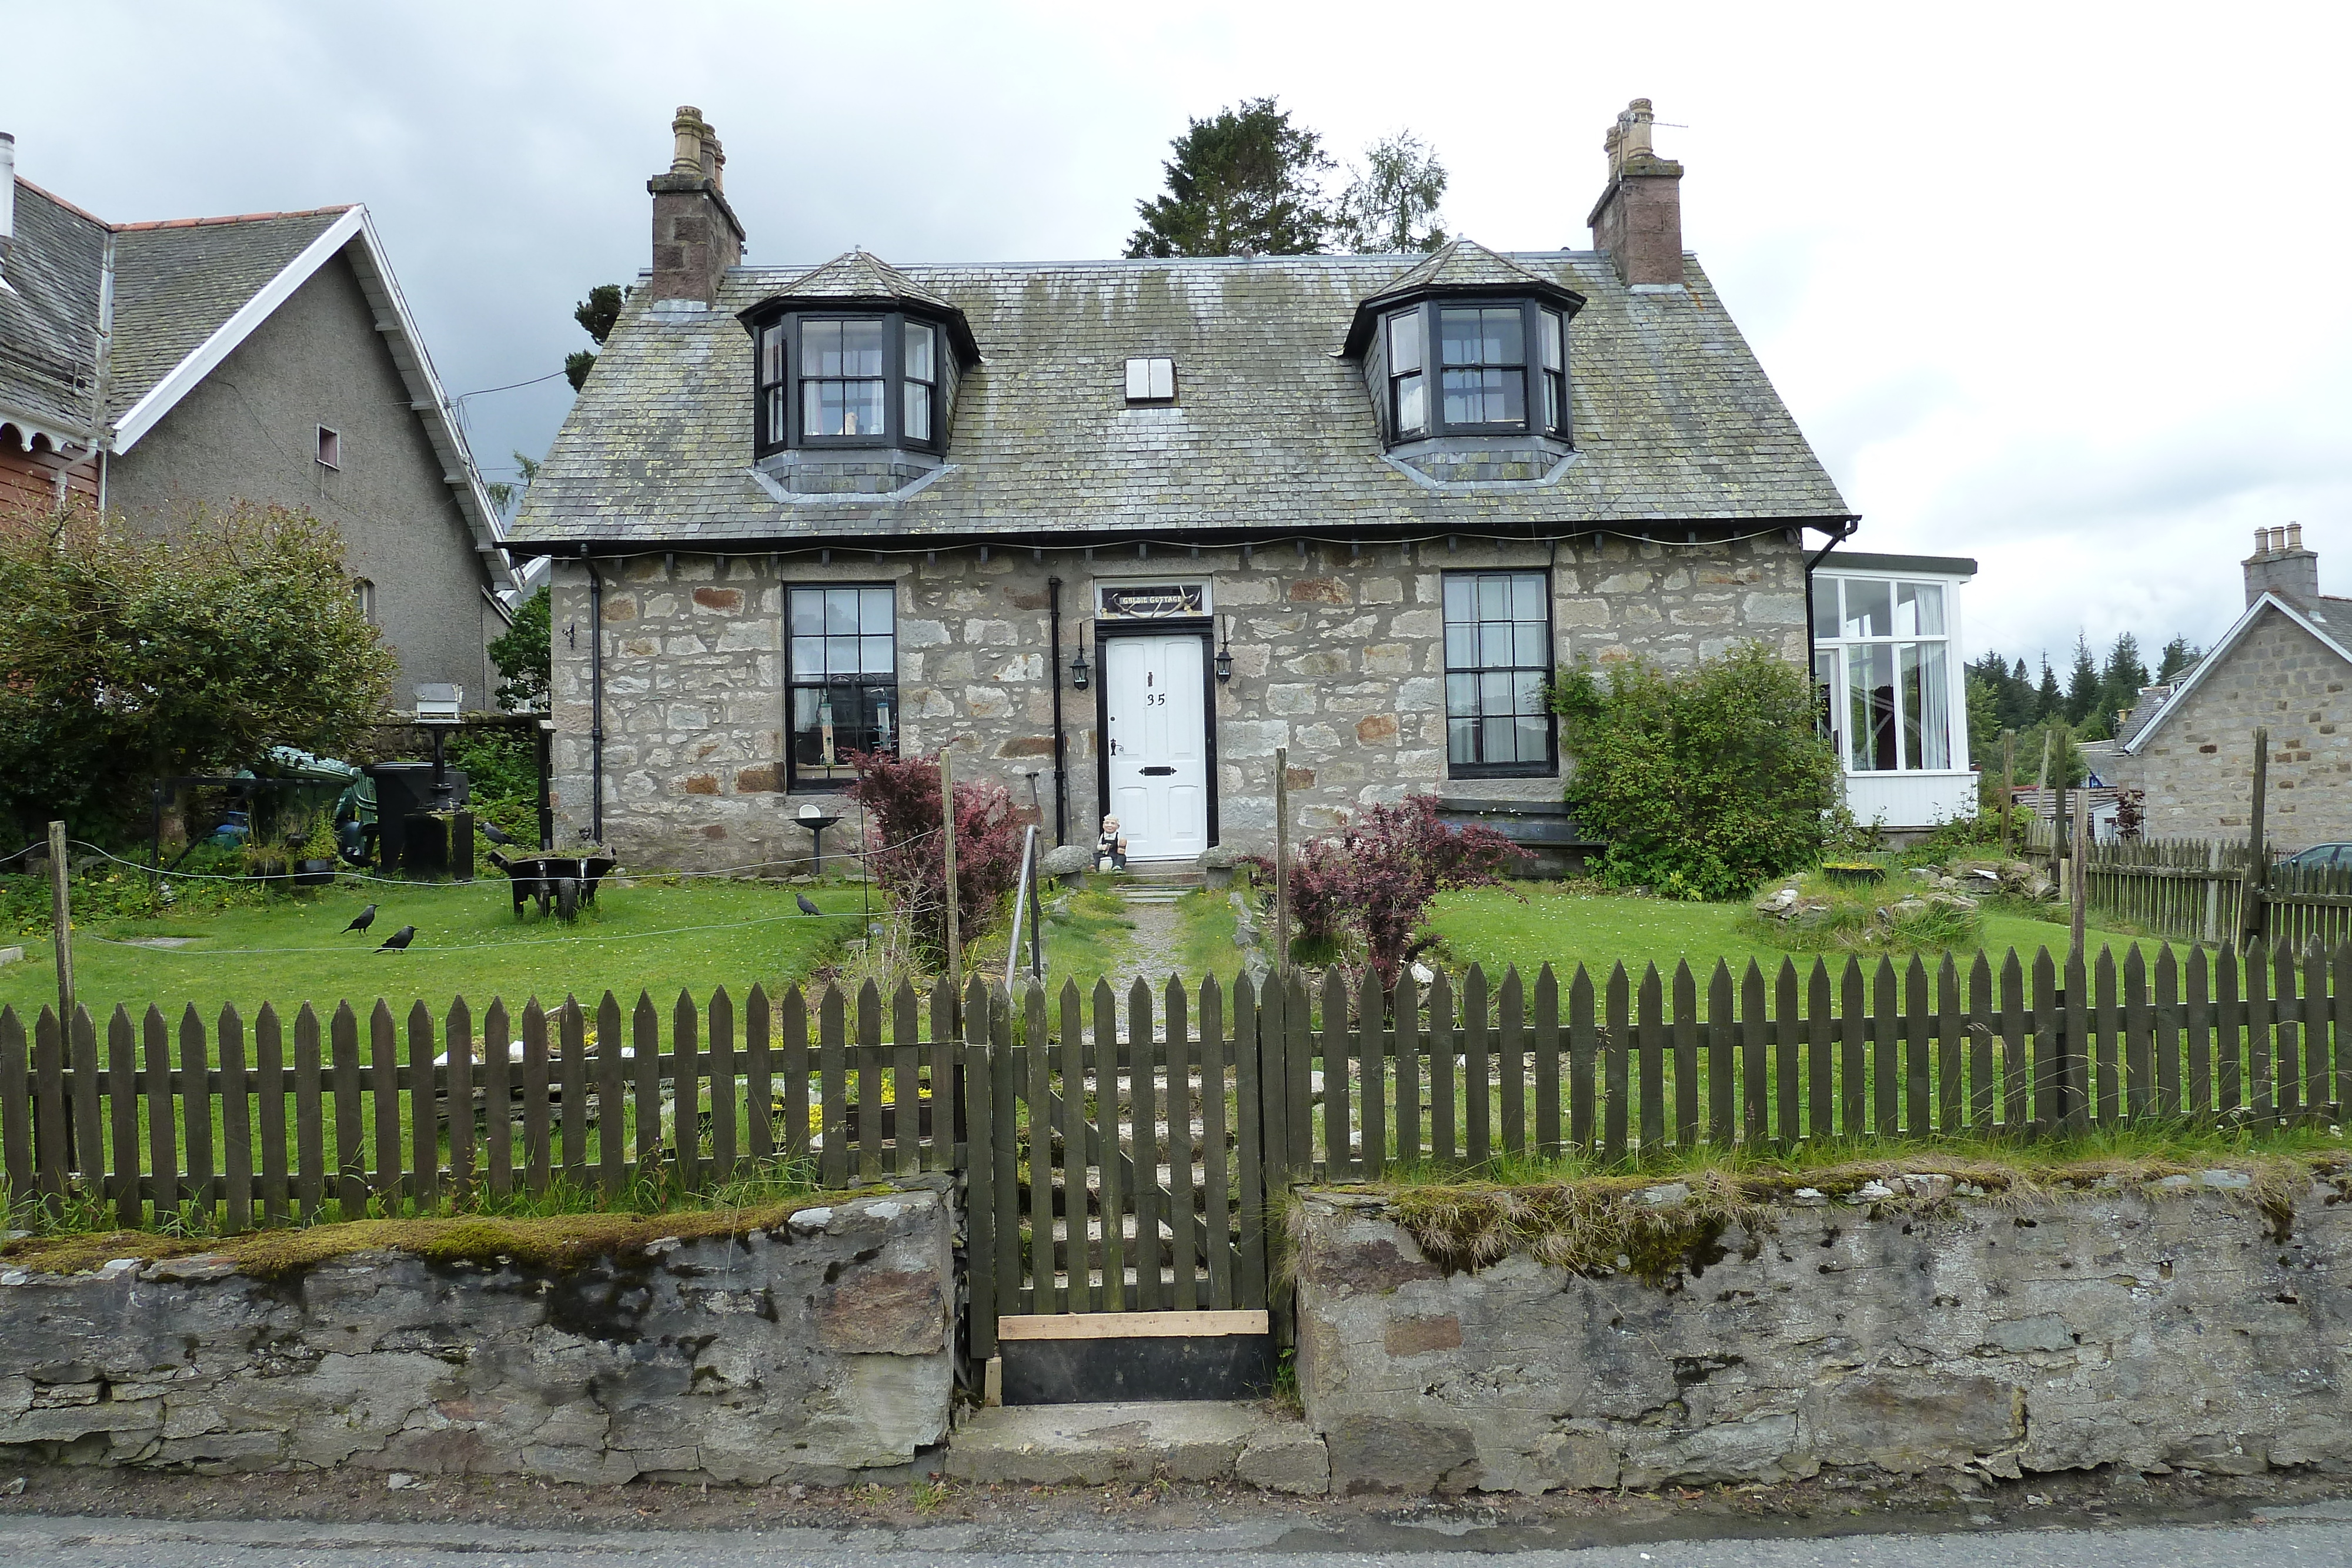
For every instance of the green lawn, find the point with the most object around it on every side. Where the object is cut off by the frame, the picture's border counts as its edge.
(1563, 925)
(695, 935)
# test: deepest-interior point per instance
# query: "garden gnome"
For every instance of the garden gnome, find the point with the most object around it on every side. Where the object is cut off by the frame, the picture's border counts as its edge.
(1110, 849)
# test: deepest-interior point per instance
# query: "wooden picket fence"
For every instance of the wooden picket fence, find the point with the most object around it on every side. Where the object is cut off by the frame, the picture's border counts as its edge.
(2195, 890)
(229, 1126)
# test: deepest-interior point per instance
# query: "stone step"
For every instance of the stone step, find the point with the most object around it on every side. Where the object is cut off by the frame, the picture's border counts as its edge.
(1252, 1441)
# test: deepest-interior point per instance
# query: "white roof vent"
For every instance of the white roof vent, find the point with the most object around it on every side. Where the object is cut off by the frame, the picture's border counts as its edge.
(1151, 381)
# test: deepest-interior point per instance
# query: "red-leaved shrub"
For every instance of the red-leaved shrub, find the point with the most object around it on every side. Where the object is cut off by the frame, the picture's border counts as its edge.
(1378, 874)
(901, 797)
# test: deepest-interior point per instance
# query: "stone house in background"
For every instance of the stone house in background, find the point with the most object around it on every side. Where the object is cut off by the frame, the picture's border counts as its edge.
(150, 368)
(1120, 530)
(2287, 664)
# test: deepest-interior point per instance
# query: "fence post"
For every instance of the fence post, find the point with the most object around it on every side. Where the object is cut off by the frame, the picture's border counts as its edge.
(2257, 887)
(1282, 860)
(947, 836)
(61, 921)
(980, 1174)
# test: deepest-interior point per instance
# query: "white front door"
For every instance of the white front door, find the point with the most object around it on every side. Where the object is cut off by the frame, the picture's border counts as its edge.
(1158, 745)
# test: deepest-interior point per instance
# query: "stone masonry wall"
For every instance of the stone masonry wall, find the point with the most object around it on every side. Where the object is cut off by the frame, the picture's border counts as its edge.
(812, 1351)
(2198, 768)
(1340, 659)
(2148, 1333)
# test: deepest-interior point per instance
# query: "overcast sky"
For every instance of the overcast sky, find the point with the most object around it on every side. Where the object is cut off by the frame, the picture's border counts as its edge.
(2056, 286)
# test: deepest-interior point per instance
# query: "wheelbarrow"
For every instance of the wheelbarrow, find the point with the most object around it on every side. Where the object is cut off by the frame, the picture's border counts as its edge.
(561, 883)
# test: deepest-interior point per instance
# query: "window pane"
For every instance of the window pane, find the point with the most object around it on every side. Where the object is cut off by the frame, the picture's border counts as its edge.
(1493, 598)
(918, 411)
(808, 611)
(1461, 740)
(875, 656)
(1825, 686)
(1460, 592)
(1461, 695)
(1412, 405)
(830, 721)
(1826, 607)
(772, 354)
(877, 610)
(921, 351)
(1495, 736)
(1869, 609)
(779, 414)
(841, 610)
(1527, 644)
(1527, 692)
(1462, 646)
(1870, 708)
(1918, 610)
(840, 656)
(808, 656)
(1554, 359)
(1495, 649)
(1494, 336)
(1495, 692)
(820, 348)
(1528, 597)
(861, 348)
(1926, 690)
(1535, 735)
(1404, 342)
(1486, 397)
(1554, 397)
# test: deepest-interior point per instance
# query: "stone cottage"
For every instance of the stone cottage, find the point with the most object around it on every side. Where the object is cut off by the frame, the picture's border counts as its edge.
(1118, 531)
(2287, 664)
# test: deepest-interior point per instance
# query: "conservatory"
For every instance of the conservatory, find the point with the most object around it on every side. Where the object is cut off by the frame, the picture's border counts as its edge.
(1892, 680)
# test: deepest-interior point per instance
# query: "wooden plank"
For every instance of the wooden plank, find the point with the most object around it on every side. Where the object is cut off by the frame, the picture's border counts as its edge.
(2260, 1019)
(16, 1114)
(1686, 1072)
(1041, 1146)
(686, 1091)
(1510, 1057)
(538, 1159)
(1949, 1034)
(1216, 1162)
(1407, 1122)
(1332, 1044)
(571, 1073)
(458, 1043)
(1887, 1064)
(2075, 1045)
(2166, 1042)
(351, 1162)
(1112, 1196)
(939, 1151)
(1854, 1051)
(980, 1174)
(2106, 1027)
(1722, 1069)
(1649, 1039)
(872, 1096)
(163, 1132)
(1820, 1058)
(1983, 1104)
(1083, 1202)
(1182, 1324)
(1441, 1141)
(2197, 1007)
(1755, 1072)
(760, 1081)
(906, 1080)
(123, 1104)
(1546, 1042)
(424, 1132)
(1145, 1132)
(1617, 1045)
(1183, 1192)
(832, 1088)
(2343, 1009)
(1583, 1061)
(645, 1085)
(1004, 1099)
(2229, 1018)
(1477, 1068)
(1249, 1175)
(196, 1111)
(87, 1113)
(383, 1059)
(612, 1097)
(726, 1092)
(1918, 1082)
(792, 1066)
(1371, 1074)
(237, 1117)
(497, 1100)
(2316, 1016)
(1787, 1032)
(309, 1118)
(49, 1173)
(2140, 1039)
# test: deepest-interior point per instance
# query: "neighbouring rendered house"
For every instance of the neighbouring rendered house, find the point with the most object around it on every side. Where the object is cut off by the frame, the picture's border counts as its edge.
(150, 368)
(1891, 675)
(1122, 530)
(2284, 666)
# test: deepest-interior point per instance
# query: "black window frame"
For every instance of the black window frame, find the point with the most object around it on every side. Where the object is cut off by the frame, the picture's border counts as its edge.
(860, 682)
(784, 374)
(1516, 769)
(1534, 374)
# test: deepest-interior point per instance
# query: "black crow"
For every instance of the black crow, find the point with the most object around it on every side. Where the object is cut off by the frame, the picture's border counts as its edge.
(398, 939)
(498, 835)
(365, 918)
(806, 907)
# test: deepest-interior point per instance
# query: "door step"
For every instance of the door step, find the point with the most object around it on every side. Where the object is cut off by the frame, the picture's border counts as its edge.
(1072, 1358)
(1250, 1441)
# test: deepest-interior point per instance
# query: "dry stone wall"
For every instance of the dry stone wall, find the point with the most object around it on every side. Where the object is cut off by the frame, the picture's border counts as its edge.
(2179, 1329)
(1337, 656)
(815, 1350)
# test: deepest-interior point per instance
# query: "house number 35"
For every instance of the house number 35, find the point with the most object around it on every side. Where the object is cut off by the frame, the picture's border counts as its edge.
(1155, 699)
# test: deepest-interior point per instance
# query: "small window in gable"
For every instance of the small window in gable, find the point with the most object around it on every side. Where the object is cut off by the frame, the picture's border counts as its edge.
(1151, 381)
(331, 448)
(363, 595)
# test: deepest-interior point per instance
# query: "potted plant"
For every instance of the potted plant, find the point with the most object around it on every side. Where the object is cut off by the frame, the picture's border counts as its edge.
(316, 862)
(266, 860)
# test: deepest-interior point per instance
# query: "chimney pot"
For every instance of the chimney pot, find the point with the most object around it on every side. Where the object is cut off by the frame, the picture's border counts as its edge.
(686, 129)
(2295, 536)
(2282, 563)
(1638, 222)
(695, 236)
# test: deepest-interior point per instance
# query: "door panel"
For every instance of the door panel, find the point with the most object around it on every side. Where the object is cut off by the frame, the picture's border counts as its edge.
(1158, 743)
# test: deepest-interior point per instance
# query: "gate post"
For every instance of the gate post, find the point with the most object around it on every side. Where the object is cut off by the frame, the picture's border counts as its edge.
(980, 1178)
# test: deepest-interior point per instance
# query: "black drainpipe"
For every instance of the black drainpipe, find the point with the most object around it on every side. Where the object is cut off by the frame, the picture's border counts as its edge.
(1812, 650)
(596, 701)
(1061, 767)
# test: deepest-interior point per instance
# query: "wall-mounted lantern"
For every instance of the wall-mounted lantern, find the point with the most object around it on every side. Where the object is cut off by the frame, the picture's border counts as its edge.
(1078, 667)
(1226, 653)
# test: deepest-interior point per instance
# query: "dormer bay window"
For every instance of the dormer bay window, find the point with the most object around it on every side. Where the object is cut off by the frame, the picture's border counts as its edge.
(829, 379)
(1500, 368)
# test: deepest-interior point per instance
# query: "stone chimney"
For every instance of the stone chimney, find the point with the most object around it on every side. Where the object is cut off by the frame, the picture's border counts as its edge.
(2281, 562)
(695, 236)
(1638, 222)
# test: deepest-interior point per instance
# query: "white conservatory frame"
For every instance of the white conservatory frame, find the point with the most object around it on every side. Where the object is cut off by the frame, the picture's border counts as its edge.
(1879, 609)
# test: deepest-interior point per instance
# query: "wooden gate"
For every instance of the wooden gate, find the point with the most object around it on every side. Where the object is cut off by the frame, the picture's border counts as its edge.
(1118, 1160)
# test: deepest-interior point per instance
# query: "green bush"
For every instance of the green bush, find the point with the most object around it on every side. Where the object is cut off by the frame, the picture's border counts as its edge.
(1702, 782)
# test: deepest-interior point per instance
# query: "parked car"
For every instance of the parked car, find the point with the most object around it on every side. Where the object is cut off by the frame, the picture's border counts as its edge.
(2321, 857)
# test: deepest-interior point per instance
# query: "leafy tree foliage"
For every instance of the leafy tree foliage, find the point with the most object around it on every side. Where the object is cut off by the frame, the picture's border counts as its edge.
(523, 655)
(1242, 182)
(1706, 781)
(127, 655)
(1392, 202)
(595, 314)
(901, 796)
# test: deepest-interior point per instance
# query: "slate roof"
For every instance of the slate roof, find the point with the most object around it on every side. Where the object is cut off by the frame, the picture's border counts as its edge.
(1464, 263)
(859, 274)
(49, 312)
(1674, 420)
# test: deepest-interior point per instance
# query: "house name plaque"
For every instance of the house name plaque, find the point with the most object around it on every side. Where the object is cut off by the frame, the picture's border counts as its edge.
(1152, 600)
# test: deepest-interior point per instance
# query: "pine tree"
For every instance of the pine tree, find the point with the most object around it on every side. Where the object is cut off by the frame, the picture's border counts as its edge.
(1242, 182)
(2179, 658)
(1392, 203)
(2121, 677)
(2082, 682)
(595, 314)
(2048, 702)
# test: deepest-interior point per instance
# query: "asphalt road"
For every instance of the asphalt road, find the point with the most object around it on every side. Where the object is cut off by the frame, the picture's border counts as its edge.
(2296, 1535)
